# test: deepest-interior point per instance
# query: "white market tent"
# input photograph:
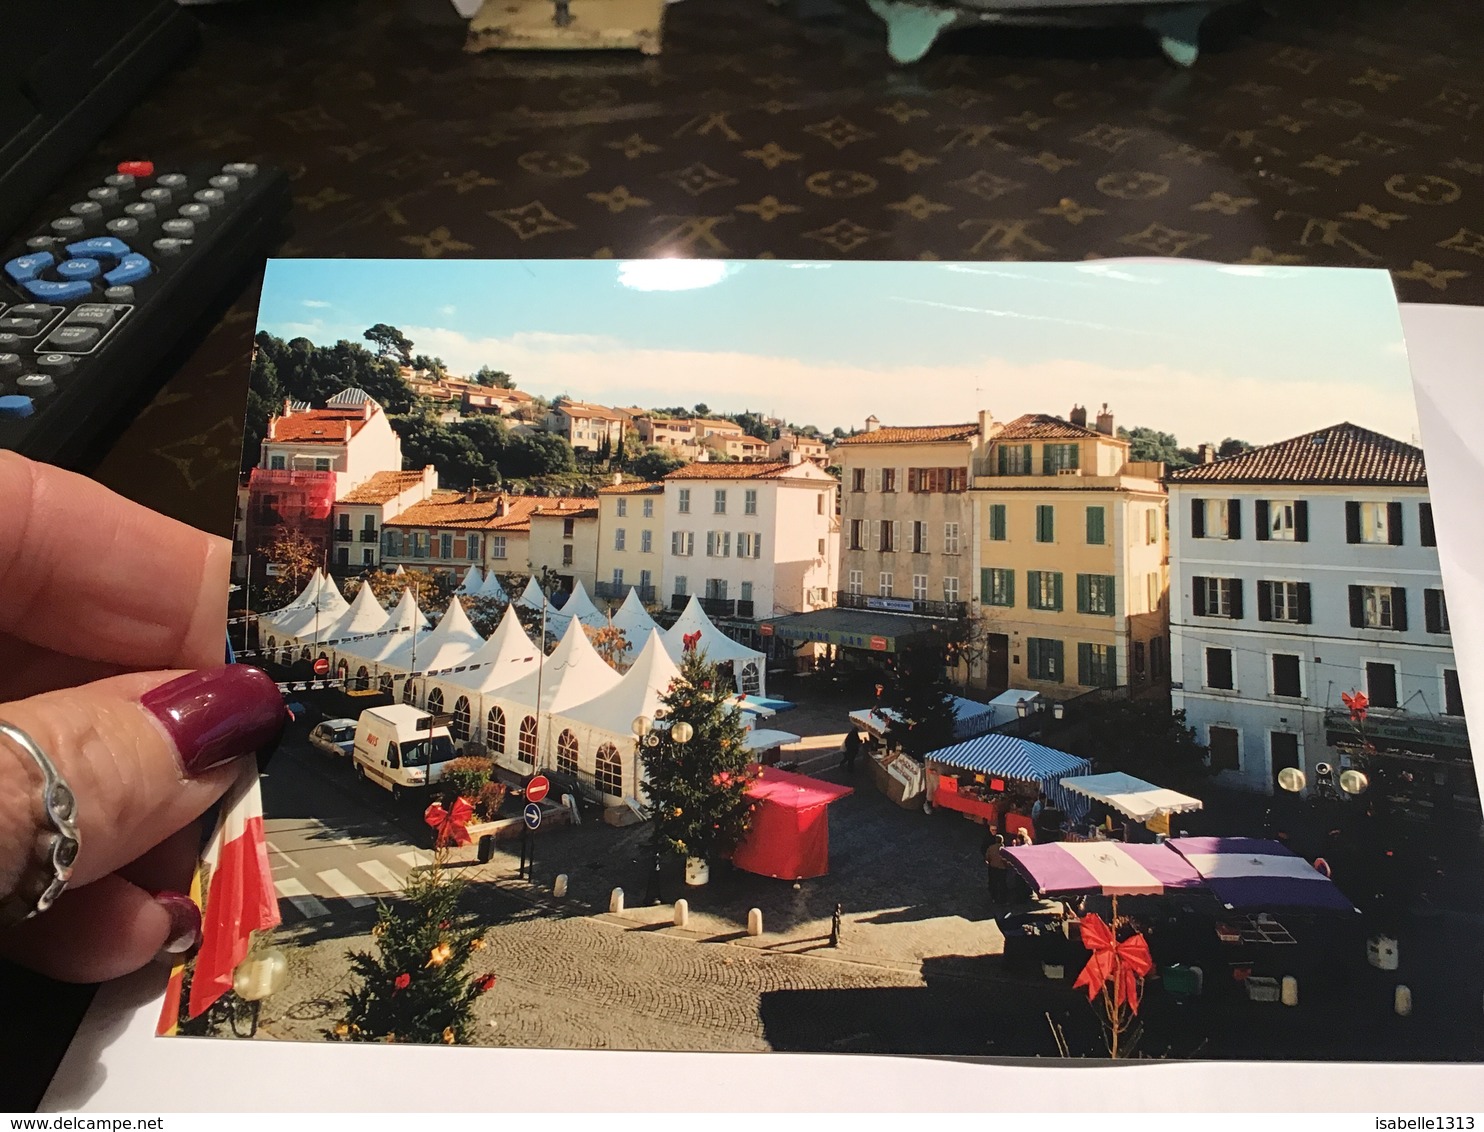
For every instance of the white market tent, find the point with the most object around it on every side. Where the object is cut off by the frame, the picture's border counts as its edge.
(364, 615)
(449, 645)
(1133, 797)
(717, 646)
(767, 738)
(970, 718)
(503, 659)
(532, 597)
(305, 600)
(492, 588)
(580, 606)
(403, 624)
(1005, 705)
(473, 580)
(309, 624)
(634, 621)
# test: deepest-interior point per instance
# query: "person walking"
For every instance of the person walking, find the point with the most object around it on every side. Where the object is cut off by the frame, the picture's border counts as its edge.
(998, 869)
(852, 748)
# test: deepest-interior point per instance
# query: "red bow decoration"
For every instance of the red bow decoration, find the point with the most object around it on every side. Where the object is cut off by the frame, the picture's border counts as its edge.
(1357, 702)
(452, 825)
(1125, 963)
(691, 640)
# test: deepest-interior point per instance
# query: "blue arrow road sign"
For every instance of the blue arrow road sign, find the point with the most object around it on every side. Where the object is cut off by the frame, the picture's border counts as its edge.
(533, 815)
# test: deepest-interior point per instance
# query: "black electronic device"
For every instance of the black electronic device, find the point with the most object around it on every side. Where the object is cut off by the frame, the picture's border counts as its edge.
(93, 301)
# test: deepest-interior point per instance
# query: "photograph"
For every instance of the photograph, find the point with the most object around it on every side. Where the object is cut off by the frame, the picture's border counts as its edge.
(1043, 661)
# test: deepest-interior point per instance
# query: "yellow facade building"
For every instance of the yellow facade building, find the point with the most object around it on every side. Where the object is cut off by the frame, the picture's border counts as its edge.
(631, 542)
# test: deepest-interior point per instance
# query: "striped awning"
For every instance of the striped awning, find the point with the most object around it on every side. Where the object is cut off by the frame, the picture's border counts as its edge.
(1111, 868)
(1012, 757)
(1251, 873)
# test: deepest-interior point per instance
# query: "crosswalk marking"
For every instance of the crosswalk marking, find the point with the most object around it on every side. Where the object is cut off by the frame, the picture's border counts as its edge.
(415, 859)
(382, 875)
(345, 887)
(296, 894)
(287, 859)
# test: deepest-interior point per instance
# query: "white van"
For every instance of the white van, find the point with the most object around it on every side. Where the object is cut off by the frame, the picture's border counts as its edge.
(401, 748)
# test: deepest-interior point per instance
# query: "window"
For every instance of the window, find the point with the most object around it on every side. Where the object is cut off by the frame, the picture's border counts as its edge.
(950, 590)
(1156, 657)
(1452, 693)
(474, 547)
(617, 576)
(997, 587)
(683, 543)
(1425, 530)
(368, 557)
(608, 774)
(716, 589)
(459, 729)
(497, 546)
(749, 501)
(889, 479)
(1217, 597)
(719, 506)
(1095, 593)
(1284, 601)
(888, 535)
(623, 507)
(567, 556)
(569, 527)
(526, 743)
(435, 701)
(276, 463)
(1282, 520)
(1435, 610)
(322, 463)
(1096, 532)
(1376, 523)
(1151, 526)
(567, 752)
(919, 587)
(856, 582)
(646, 542)
(1219, 669)
(1043, 658)
(445, 546)
(919, 538)
(1015, 459)
(1287, 675)
(819, 504)
(1216, 518)
(1058, 457)
(746, 591)
(682, 500)
(1045, 523)
(1380, 684)
(680, 585)
(1139, 662)
(1151, 591)
(818, 546)
(718, 544)
(997, 522)
(857, 479)
(884, 584)
(1223, 746)
(1043, 589)
(1097, 665)
(857, 534)
(619, 536)
(649, 508)
(1378, 607)
(929, 480)
(950, 538)
(746, 541)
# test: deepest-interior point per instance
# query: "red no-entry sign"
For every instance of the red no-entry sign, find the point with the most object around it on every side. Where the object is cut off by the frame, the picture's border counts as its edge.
(537, 788)
(322, 666)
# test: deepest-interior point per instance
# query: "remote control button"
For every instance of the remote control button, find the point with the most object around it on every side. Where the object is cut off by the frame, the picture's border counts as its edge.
(137, 168)
(241, 169)
(100, 245)
(197, 212)
(26, 326)
(104, 196)
(26, 267)
(79, 269)
(73, 338)
(172, 180)
(132, 268)
(170, 246)
(36, 384)
(102, 315)
(68, 226)
(67, 292)
(119, 180)
(42, 243)
(211, 196)
(119, 294)
(16, 406)
(11, 342)
(226, 182)
(123, 226)
(156, 196)
(55, 363)
(33, 310)
(10, 363)
(87, 209)
(140, 210)
(181, 229)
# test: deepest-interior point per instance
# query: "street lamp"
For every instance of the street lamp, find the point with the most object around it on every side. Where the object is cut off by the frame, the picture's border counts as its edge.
(1291, 779)
(1353, 782)
(1021, 708)
(1058, 711)
(646, 736)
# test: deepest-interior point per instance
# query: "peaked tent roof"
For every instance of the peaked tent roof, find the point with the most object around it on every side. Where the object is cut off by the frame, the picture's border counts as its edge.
(504, 658)
(634, 620)
(364, 615)
(305, 600)
(312, 621)
(492, 588)
(580, 606)
(447, 646)
(573, 674)
(473, 580)
(1069, 868)
(638, 692)
(1340, 454)
(404, 623)
(714, 643)
(532, 597)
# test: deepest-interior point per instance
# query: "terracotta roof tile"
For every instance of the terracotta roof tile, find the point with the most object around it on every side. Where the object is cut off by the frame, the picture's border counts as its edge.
(1042, 426)
(383, 487)
(761, 470)
(585, 509)
(1341, 454)
(637, 487)
(317, 426)
(919, 434)
(586, 409)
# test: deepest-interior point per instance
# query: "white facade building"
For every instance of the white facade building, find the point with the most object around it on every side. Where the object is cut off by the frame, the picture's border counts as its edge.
(350, 436)
(1300, 572)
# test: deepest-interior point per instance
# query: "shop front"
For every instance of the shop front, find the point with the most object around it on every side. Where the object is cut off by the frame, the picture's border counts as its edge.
(998, 780)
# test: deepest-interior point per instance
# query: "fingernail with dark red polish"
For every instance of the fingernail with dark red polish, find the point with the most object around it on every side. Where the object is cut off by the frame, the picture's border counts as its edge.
(185, 923)
(218, 714)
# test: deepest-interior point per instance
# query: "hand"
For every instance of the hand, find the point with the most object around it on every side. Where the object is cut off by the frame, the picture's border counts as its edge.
(112, 638)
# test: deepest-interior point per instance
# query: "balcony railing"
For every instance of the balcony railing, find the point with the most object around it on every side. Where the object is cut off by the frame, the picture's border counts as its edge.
(370, 536)
(344, 534)
(947, 609)
(714, 606)
(617, 591)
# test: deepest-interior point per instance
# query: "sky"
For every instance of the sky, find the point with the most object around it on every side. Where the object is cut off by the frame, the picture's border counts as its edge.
(1204, 352)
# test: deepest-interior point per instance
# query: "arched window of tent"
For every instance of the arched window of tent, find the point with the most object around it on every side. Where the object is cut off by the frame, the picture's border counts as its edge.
(751, 682)
(342, 671)
(567, 752)
(494, 731)
(460, 727)
(307, 653)
(409, 694)
(363, 678)
(435, 702)
(272, 643)
(609, 774)
(385, 682)
(527, 747)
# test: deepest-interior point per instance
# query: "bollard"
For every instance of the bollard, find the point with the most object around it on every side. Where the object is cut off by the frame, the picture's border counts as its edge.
(755, 921)
(835, 923)
(1403, 1001)
(615, 900)
(486, 849)
(682, 913)
(559, 886)
(1289, 993)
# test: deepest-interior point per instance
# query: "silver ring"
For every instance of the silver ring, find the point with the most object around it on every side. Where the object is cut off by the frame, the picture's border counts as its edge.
(59, 806)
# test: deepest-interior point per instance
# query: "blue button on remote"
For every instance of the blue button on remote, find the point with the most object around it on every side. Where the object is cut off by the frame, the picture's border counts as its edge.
(26, 267)
(100, 245)
(58, 292)
(15, 405)
(132, 268)
(79, 268)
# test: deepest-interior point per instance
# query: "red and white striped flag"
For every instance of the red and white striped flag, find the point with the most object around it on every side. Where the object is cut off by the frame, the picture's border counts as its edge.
(240, 898)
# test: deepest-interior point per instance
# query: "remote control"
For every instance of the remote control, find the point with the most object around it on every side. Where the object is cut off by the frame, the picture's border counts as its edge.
(91, 304)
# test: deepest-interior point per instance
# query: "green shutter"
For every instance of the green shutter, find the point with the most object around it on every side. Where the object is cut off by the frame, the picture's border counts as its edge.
(1110, 673)
(997, 522)
(1111, 595)
(1033, 589)
(1084, 593)
(1025, 460)
(984, 591)
(1010, 587)
(1095, 526)
(1004, 460)
(1056, 598)
(1058, 658)
(1076, 455)
(1084, 663)
(1033, 656)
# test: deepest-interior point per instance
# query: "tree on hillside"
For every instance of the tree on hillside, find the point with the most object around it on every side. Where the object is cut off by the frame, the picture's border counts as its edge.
(390, 342)
(919, 693)
(537, 454)
(838, 433)
(434, 366)
(499, 379)
(655, 463)
(1150, 444)
(489, 438)
(702, 409)
(426, 440)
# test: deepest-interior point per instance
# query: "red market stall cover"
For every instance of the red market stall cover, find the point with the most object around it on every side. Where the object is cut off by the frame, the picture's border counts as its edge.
(790, 834)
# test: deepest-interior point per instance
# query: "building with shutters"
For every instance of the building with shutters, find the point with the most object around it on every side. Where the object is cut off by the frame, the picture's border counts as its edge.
(564, 543)
(1301, 571)
(631, 541)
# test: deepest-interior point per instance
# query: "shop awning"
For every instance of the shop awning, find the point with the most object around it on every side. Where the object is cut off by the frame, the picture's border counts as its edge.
(851, 628)
(1251, 873)
(1109, 867)
(969, 718)
(1011, 757)
(1132, 796)
(767, 738)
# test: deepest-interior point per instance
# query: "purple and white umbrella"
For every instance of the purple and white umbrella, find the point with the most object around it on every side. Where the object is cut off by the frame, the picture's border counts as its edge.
(1251, 873)
(1073, 868)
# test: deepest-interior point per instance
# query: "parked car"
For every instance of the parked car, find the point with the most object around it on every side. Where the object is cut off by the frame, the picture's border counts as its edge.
(334, 737)
(401, 748)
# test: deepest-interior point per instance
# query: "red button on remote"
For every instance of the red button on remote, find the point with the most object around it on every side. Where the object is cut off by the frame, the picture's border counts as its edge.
(137, 168)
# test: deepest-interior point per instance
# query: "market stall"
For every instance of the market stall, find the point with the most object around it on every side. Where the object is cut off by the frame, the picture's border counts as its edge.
(1250, 873)
(1147, 805)
(1108, 868)
(997, 779)
(492, 588)
(747, 664)
(790, 834)
(970, 718)
(767, 743)
(360, 655)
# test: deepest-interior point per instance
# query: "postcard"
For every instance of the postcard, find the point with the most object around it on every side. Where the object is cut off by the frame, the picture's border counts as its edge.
(1007, 660)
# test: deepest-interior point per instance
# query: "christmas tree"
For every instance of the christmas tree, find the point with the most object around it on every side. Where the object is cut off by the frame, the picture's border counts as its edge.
(920, 695)
(697, 790)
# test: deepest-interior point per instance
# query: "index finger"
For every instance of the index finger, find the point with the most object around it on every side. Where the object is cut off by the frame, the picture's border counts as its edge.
(86, 572)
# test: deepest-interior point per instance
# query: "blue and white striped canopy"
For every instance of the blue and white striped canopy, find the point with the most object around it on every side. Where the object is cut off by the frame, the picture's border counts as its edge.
(1013, 757)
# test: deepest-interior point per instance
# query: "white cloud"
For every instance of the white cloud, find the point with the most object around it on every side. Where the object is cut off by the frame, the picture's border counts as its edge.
(316, 303)
(673, 274)
(448, 312)
(1195, 406)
